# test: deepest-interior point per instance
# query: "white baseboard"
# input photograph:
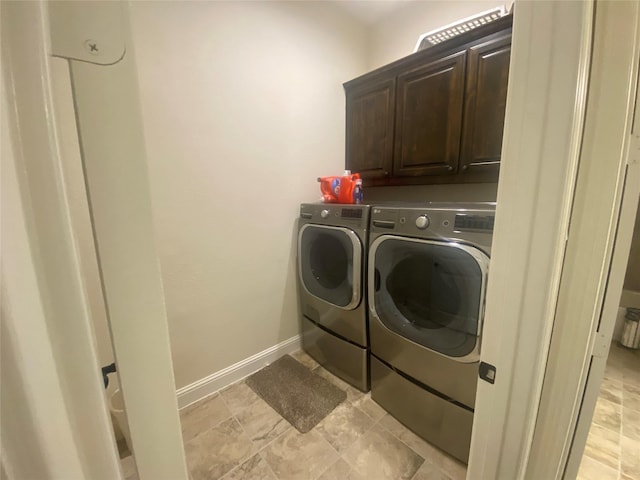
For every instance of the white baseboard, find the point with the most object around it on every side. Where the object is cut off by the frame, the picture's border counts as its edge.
(218, 380)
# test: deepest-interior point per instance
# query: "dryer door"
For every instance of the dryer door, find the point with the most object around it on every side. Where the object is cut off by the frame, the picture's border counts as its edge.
(330, 264)
(431, 293)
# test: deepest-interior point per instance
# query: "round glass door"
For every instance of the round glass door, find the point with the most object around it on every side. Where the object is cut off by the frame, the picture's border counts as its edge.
(330, 264)
(429, 292)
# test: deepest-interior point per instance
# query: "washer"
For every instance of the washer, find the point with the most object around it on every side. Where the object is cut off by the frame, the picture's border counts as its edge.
(428, 270)
(332, 240)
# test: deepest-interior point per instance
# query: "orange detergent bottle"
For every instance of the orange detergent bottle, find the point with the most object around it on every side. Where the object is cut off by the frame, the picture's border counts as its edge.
(330, 187)
(347, 186)
(339, 189)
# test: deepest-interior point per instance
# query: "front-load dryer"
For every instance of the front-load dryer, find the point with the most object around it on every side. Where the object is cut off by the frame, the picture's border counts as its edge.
(428, 270)
(332, 240)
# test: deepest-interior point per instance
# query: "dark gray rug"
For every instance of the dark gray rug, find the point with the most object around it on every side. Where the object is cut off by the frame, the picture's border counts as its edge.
(299, 395)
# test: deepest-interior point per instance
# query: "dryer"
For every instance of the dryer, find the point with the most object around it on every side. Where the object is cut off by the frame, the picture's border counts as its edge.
(332, 240)
(428, 269)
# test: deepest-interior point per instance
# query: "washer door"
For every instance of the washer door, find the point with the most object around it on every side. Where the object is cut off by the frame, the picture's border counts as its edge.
(431, 293)
(330, 264)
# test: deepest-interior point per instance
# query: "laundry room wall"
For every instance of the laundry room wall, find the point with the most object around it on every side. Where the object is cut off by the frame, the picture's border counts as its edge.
(395, 36)
(243, 108)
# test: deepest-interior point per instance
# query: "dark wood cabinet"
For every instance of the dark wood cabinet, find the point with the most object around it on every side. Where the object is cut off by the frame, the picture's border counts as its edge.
(486, 99)
(429, 118)
(436, 116)
(370, 134)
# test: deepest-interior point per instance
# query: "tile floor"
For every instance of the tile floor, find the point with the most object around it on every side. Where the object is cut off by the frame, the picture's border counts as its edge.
(613, 446)
(235, 435)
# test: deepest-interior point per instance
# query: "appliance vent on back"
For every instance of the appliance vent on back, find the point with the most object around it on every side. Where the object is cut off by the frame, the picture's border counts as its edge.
(452, 30)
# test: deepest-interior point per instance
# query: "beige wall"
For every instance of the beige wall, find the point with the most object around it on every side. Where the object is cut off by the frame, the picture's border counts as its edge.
(396, 35)
(243, 108)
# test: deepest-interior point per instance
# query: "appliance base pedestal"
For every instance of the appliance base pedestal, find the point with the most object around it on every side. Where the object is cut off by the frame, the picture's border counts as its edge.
(343, 359)
(438, 421)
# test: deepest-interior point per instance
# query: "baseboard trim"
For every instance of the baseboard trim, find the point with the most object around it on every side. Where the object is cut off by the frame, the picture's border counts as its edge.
(216, 381)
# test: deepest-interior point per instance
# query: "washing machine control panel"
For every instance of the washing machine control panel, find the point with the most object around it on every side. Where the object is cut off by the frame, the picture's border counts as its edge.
(352, 216)
(422, 222)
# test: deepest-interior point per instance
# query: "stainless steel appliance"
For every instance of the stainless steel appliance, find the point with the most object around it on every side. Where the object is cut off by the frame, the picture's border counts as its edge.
(427, 276)
(332, 240)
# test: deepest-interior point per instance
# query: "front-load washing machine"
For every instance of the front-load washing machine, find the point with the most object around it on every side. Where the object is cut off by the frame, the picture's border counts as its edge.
(427, 277)
(332, 239)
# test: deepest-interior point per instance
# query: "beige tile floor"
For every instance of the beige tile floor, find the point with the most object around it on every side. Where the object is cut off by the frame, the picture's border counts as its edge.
(613, 445)
(235, 435)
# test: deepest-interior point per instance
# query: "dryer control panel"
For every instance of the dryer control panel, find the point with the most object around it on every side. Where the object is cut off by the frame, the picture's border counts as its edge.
(469, 223)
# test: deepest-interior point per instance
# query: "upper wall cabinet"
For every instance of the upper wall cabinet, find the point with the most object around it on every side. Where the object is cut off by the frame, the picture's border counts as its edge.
(429, 118)
(485, 102)
(435, 116)
(370, 117)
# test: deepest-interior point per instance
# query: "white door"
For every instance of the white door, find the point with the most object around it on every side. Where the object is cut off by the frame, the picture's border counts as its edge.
(101, 84)
(629, 191)
(602, 218)
(602, 334)
(546, 98)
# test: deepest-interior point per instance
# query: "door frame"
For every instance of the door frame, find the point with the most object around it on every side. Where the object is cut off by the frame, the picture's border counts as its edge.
(603, 217)
(546, 101)
(103, 87)
(62, 428)
(58, 423)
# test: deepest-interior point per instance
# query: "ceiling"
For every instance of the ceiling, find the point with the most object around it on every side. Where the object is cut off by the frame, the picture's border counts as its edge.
(370, 11)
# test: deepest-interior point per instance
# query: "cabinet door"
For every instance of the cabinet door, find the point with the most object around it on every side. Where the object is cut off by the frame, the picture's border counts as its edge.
(370, 117)
(486, 98)
(429, 118)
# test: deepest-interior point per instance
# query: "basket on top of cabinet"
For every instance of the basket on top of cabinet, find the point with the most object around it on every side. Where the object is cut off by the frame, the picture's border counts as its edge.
(435, 116)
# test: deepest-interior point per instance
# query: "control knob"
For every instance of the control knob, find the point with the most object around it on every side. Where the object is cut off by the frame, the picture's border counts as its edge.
(324, 213)
(422, 222)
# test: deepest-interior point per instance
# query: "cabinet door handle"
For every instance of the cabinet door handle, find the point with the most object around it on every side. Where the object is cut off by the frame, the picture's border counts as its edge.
(465, 167)
(386, 173)
(450, 168)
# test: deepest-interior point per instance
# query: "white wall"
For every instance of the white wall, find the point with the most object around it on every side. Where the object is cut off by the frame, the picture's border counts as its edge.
(243, 108)
(396, 35)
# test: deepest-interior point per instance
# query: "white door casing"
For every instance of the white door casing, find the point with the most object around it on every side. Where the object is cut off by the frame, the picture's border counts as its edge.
(94, 38)
(543, 130)
(55, 423)
(602, 224)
